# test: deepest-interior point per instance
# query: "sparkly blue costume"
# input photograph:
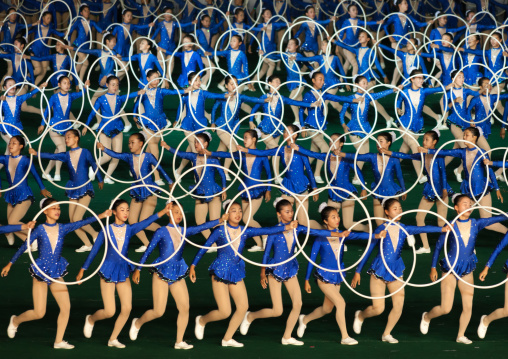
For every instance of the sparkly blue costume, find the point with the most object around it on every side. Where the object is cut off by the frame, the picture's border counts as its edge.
(41, 38)
(458, 115)
(253, 168)
(21, 192)
(294, 181)
(315, 115)
(229, 118)
(364, 56)
(106, 62)
(10, 30)
(60, 110)
(327, 68)
(350, 35)
(78, 171)
(11, 112)
(328, 250)
(83, 28)
(116, 126)
(408, 61)
(400, 28)
(139, 173)
(338, 174)
(115, 269)
(391, 251)
(153, 102)
(50, 260)
(495, 254)
(283, 246)
(204, 36)
(194, 103)
(481, 112)
(23, 72)
(478, 180)
(60, 63)
(167, 30)
(495, 62)
(237, 63)
(268, 38)
(190, 63)
(228, 267)
(310, 44)
(464, 254)
(392, 169)
(413, 119)
(123, 42)
(174, 269)
(146, 62)
(207, 185)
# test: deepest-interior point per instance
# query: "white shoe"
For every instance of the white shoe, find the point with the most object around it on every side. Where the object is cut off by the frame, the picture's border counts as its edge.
(212, 250)
(464, 340)
(424, 325)
(88, 328)
(482, 328)
(84, 249)
(291, 341)
(492, 120)
(76, 125)
(199, 330)
(168, 125)
(423, 250)
(458, 175)
(108, 180)
(10, 238)
(357, 324)
(500, 178)
(115, 343)
(183, 345)
(342, 90)
(141, 249)
(423, 179)
(228, 177)
(348, 341)
(255, 249)
(63, 345)
(159, 182)
(318, 179)
(221, 87)
(91, 174)
(389, 339)
(47, 177)
(411, 240)
(57, 178)
(390, 123)
(11, 329)
(244, 327)
(231, 343)
(133, 332)
(356, 181)
(127, 129)
(278, 67)
(301, 326)
(96, 126)
(130, 174)
(345, 248)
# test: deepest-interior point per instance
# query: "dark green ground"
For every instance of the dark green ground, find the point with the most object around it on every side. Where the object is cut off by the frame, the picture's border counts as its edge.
(322, 337)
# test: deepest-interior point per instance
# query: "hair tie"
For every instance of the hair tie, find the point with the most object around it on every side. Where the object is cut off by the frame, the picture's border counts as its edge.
(166, 8)
(313, 72)
(209, 135)
(258, 132)
(480, 130)
(394, 136)
(277, 200)
(468, 12)
(41, 203)
(395, 2)
(106, 34)
(437, 14)
(8, 78)
(298, 41)
(124, 11)
(308, 6)
(237, 8)
(149, 69)
(322, 206)
(226, 203)
(82, 6)
(298, 125)
(455, 196)
(383, 202)
(170, 200)
(418, 41)
(59, 76)
(437, 131)
(355, 77)
(411, 69)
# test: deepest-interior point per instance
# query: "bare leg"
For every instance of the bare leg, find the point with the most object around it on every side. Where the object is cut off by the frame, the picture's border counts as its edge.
(61, 295)
(108, 299)
(181, 296)
(277, 308)
(106, 141)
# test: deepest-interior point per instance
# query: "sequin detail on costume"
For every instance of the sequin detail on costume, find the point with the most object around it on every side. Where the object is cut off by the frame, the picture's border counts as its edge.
(119, 233)
(13, 165)
(470, 156)
(52, 233)
(465, 231)
(74, 155)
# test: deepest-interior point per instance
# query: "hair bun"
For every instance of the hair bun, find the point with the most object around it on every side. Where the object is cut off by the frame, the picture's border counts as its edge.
(209, 135)
(277, 200)
(436, 15)
(480, 130)
(455, 196)
(41, 203)
(258, 132)
(322, 206)
(437, 131)
(147, 70)
(394, 136)
(226, 203)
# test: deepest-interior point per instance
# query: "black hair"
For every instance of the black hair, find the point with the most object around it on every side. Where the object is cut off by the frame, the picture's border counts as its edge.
(21, 40)
(229, 78)
(350, 6)
(202, 137)
(46, 13)
(109, 37)
(7, 79)
(477, 37)
(448, 34)
(474, 131)
(416, 72)
(316, 73)
(111, 78)
(457, 198)
(20, 139)
(339, 135)
(295, 40)
(389, 202)
(253, 134)
(481, 79)
(166, 8)
(281, 204)
(454, 73)
(190, 37)
(191, 77)
(238, 37)
(83, 6)
(47, 202)
(61, 78)
(139, 136)
(326, 212)
(11, 9)
(75, 133)
(308, 7)
(202, 17)
(359, 78)
(387, 136)
(150, 45)
(118, 203)
(293, 129)
(238, 10)
(498, 34)
(265, 10)
(151, 72)
(273, 77)
(125, 11)
(366, 33)
(433, 134)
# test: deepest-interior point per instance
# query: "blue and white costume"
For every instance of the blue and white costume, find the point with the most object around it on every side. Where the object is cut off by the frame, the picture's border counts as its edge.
(146, 62)
(414, 100)
(364, 56)
(15, 169)
(194, 104)
(230, 112)
(316, 115)
(311, 31)
(41, 38)
(459, 112)
(60, 105)
(110, 105)
(11, 112)
(483, 106)
(153, 103)
(190, 61)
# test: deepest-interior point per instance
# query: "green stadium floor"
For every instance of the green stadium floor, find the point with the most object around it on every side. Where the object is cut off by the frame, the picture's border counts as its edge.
(322, 337)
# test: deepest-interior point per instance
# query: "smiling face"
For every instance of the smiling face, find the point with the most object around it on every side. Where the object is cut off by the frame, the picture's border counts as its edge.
(52, 213)
(495, 41)
(333, 220)
(15, 146)
(200, 145)
(403, 6)
(459, 79)
(274, 84)
(311, 13)
(394, 210)
(111, 43)
(122, 212)
(187, 44)
(152, 82)
(472, 41)
(286, 214)
(443, 21)
(71, 139)
(363, 84)
(135, 145)
(144, 46)
(417, 81)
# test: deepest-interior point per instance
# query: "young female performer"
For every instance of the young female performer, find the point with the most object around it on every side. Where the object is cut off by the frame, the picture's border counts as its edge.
(238, 66)
(115, 270)
(171, 274)
(310, 45)
(50, 237)
(144, 200)
(60, 109)
(228, 271)
(479, 185)
(382, 278)
(146, 61)
(295, 182)
(78, 160)
(461, 255)
(338, 174)
(111, 134)
(19, 197)
(436, 178)
(207, 190)
(252, 166)
(284, 246)
(189, 60)
(385, 170)
(329, 282)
